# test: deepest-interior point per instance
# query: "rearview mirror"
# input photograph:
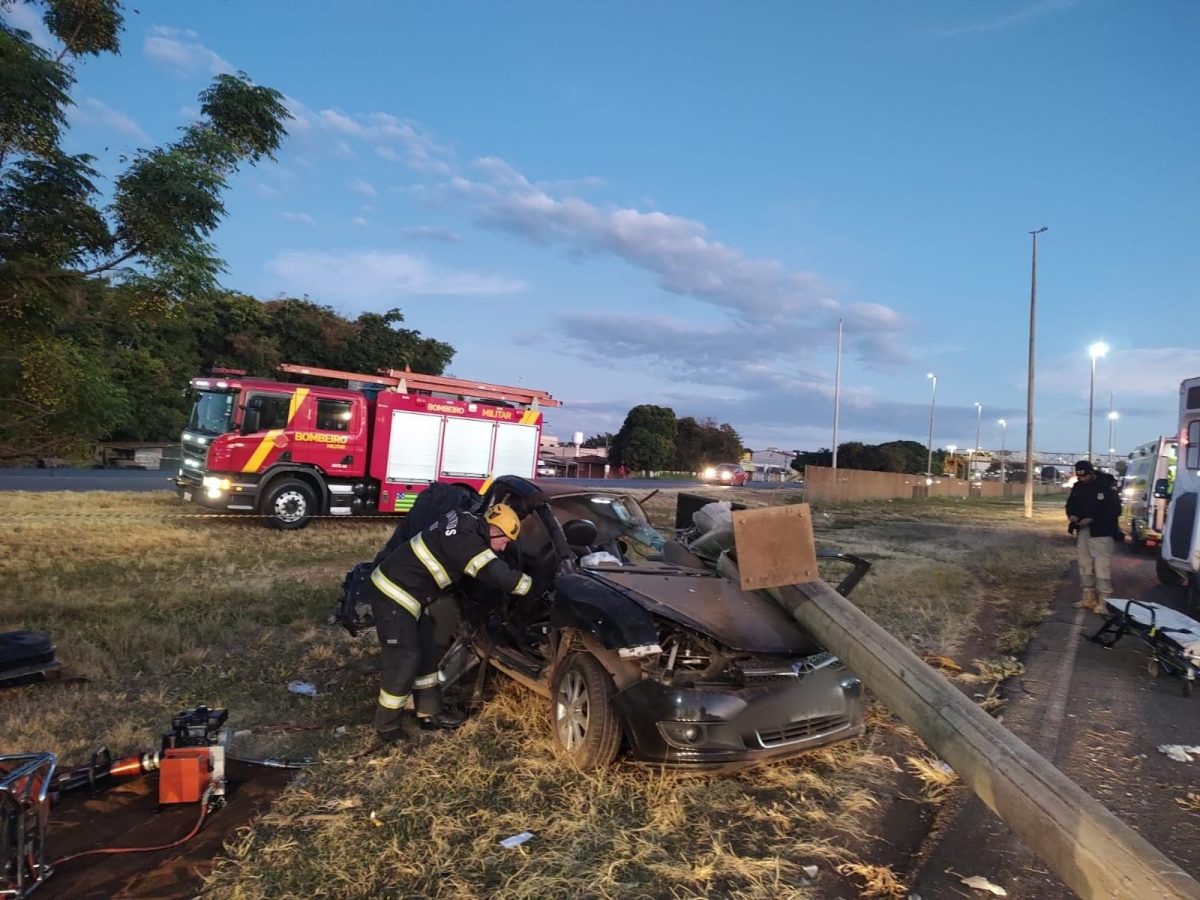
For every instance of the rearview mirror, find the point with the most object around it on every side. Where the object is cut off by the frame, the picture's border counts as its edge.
(251, 417)
(1161, 489)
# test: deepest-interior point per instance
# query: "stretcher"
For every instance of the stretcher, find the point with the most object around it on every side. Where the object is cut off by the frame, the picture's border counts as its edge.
(1173, 638)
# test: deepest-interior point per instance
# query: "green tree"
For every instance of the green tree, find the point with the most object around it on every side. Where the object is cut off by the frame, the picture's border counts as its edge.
(646, 421)
(704, 442)
(604, 439)
(56, 237)
(646, 450)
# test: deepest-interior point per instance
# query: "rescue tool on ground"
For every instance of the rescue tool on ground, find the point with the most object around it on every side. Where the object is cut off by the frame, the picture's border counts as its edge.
(291, 451)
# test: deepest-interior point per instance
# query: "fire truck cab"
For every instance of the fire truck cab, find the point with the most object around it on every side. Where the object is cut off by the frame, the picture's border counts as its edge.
(289, 451)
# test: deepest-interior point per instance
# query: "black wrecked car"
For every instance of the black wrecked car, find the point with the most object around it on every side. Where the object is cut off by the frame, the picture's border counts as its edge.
(646, 643)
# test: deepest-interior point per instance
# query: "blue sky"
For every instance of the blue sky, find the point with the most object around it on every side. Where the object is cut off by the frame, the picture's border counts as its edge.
(674, 202)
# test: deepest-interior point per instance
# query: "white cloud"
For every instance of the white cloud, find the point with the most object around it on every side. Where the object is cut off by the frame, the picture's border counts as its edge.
(180, 49)
(302, 218)
(25, 17)
(359, 221)
(1034, 10)
(363, 188)
(91, 111)
(265, 190)
(1146, 373)
(373, 277)
(432, 233)
(392, 138)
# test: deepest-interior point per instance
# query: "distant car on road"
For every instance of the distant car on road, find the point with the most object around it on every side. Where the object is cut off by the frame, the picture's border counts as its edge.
(726, 473)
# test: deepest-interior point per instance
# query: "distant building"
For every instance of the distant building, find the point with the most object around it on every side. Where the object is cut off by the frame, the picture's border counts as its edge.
(771, 464)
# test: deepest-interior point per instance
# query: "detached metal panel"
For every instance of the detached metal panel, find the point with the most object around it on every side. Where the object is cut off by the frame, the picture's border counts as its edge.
(413, 447)
(467, 448)
(516, 450)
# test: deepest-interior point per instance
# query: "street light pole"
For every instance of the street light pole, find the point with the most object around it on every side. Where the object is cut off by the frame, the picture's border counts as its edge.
(1095, 351)
(1029, 396)
(1112, 418)
(1003, 436)
(953, 466)
(837, 393)
(932, 401)
(975, 449)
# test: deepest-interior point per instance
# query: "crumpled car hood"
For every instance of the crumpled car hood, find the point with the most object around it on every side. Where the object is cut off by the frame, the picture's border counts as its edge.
(717, 608)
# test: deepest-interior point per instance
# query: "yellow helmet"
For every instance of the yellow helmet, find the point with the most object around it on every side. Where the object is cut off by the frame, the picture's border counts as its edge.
(505, 518)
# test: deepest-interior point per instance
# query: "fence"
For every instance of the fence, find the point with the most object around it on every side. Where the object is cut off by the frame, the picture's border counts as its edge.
(822, 484)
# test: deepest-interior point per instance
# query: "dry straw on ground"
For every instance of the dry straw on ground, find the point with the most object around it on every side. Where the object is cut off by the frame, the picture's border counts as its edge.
(154, 612)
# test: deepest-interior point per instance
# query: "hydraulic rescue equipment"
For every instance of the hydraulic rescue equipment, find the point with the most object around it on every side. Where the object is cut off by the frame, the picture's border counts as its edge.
(190, 765)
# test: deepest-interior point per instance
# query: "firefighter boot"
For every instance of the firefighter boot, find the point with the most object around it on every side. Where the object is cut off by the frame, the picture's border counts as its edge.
(447, 718)
(1088, 600)
(399, 731)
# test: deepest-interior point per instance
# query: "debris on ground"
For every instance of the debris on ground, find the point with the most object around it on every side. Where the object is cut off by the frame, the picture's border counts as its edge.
(516, 840)
(1179, 752)
(979, 883)
(942, 662)
(1191, 802)
(303, 688)
(993, 670)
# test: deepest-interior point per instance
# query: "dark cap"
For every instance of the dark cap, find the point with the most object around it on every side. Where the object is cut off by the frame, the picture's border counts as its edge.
(1083, 467)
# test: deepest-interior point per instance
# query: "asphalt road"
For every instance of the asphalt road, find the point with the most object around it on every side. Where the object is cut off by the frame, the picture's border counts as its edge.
(142, 480)
(1100, 718)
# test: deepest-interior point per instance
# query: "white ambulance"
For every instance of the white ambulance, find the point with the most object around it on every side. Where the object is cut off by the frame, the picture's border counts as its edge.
(1181, 538)
(1149, 474)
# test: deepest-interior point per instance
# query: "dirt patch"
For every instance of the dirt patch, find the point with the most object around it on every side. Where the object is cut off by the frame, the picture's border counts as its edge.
(128, 815)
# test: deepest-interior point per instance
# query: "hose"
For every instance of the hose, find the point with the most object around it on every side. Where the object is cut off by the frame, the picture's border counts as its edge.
(273, 762)
(183, 840)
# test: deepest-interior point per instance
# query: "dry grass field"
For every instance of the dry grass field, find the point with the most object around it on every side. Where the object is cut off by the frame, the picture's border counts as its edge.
(154, 611)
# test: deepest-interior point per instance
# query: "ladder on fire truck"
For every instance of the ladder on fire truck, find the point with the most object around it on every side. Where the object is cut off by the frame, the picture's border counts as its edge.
(406, 381)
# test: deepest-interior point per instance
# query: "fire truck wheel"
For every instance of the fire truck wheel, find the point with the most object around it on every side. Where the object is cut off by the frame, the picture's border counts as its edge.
(289, 504)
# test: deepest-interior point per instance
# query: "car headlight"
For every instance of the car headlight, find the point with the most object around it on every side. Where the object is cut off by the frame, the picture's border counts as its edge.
(710, 472)
(726, 475)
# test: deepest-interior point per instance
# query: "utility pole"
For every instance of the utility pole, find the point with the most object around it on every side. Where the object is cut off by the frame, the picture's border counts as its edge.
(932, 401)
(975, 449)
(837, 393)
(1029, 396)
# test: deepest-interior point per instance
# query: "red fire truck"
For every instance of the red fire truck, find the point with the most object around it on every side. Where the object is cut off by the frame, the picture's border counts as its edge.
(293, 451)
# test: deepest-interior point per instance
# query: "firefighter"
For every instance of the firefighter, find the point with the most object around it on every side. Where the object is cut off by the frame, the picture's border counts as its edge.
(458, 544)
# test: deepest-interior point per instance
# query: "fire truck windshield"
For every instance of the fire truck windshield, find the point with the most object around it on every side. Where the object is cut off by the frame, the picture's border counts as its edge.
(212, 413)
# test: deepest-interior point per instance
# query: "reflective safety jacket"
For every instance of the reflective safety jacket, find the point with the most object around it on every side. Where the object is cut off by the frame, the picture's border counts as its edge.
(454, 546)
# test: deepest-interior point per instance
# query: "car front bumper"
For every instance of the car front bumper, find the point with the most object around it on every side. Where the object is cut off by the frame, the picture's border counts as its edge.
(713, 726)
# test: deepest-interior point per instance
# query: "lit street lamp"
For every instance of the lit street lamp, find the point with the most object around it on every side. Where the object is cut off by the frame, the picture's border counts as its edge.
(1095, 351)
(1003, 436)
(978, 422)
(932, 401)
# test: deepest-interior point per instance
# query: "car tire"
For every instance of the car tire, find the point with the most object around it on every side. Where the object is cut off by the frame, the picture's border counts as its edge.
(585, 726)
(1167, 576)
(289, 504)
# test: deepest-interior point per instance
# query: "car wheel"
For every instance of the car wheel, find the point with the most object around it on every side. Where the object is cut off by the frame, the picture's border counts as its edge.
(585, 727)
(1166, 575)
(289, 504)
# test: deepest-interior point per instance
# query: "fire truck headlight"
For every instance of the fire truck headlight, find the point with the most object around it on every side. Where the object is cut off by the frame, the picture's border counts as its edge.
(215, 485)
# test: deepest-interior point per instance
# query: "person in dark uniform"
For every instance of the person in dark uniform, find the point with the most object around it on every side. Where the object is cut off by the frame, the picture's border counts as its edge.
(1093, 509)
(457, 545)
